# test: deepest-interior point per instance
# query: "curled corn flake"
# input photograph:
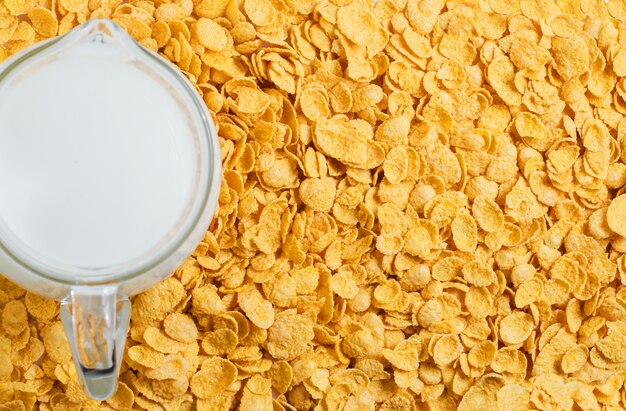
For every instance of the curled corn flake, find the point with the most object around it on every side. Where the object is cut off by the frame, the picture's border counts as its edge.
(464, 232)
(615, 215)
(396, 165)
(219, 342)
(482, 354)
(55, 342)
(42, 309)
(516, 327)
(44, 21)
(574, 358)
(405, 356)
(180, 327)
(318, 193)
(211, 35)
(447, 349)
(216, 375)
(281, 375)
(158, 340)
(19, 7)
(257, 309)
(123, 398)
(14, 317)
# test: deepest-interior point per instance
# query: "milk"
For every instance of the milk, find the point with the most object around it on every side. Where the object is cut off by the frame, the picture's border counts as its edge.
(97, 162)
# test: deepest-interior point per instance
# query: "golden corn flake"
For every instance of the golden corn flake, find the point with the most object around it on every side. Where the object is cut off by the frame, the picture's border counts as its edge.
(532, 131)
(258, 310)
(18, 7)
(315, 103)
(146, 356)
(123, 398)
(478, 301)
(42, 309)
(513, 397)
(478, 274)
(44, 21)
(464, 232)
(318, 193)
(14, 317)
(516, 327)
(260, 12)
(281, 375)
(211, 35)
(155, 303)
(207, 301)
(290, 335)
(396, 165)
(574, 358)
(509, 7)
(405, 355)
(171, 367)
(617, 9)
(19, 341)
(482, 354)
(615, 215)
(74, 6)
(306, 279)
(256, 394)
(344, 284)
(488, 214)
(219, 342)
(157, 339)
(169, 12)
(501, 74)
(612, 346)
(55, 342)
(509, 359)
(349, 141)
(216, 375)
(484, 391)
(528, 292)
(180, 327)
(447, 349)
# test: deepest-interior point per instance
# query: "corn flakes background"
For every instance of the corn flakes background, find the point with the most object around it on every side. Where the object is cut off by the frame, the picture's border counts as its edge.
(423, 207)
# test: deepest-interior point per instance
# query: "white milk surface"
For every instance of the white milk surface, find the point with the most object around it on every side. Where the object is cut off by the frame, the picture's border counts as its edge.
(97, 162)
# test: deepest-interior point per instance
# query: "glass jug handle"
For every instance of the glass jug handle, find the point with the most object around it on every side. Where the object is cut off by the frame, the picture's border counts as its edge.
(96, 321)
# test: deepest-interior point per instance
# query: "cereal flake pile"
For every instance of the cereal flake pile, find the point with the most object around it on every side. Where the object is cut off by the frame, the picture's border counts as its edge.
(423, 207)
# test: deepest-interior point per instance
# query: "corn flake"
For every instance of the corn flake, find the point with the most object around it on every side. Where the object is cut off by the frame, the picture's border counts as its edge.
(14, 317)
(158, 340)
(216, 375)
(281, 375)
(574, 358)
(55, 342)
(464, 232)
(44, 21)
(447, 349)
(123, 398)
(516, 328)
(180, 327)
(257, 309)
(318, 193)
(211, 35)
(219, 342)
(615, 215)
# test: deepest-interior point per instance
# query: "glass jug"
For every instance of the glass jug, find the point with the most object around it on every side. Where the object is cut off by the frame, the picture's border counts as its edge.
(110, 171)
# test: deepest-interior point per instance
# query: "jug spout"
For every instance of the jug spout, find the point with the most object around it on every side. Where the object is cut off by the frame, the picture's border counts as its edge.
(101, 31)
(100, 37)
(96, 323)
